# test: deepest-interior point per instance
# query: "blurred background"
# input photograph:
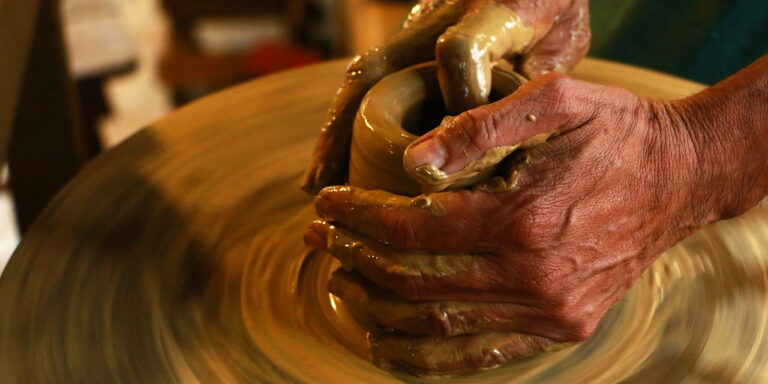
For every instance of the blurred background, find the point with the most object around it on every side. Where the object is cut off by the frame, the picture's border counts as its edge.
(79, 76)
(131, 62)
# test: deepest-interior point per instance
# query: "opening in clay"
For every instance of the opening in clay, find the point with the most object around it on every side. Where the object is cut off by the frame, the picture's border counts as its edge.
(426, 113)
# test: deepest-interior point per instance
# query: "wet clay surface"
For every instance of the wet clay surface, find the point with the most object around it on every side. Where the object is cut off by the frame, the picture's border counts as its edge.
(489, 31)
(177, 258)
(467, 43)
(391, 117)
(365, 70)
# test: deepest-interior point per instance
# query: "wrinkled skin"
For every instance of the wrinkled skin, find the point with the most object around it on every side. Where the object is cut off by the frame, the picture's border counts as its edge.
(445, 30)
(625, 179)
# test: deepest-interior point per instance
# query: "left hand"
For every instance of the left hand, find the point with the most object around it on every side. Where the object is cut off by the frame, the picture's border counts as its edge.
(541, 263)
(466, 38)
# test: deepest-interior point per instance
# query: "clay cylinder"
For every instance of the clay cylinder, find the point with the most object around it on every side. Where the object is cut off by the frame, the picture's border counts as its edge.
(394, 113)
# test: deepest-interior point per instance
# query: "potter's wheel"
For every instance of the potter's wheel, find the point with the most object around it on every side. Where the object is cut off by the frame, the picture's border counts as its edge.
(177, 257)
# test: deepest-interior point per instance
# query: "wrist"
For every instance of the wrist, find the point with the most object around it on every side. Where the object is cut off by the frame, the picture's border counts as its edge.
(702, 133)
(677, 159)
(730, 143)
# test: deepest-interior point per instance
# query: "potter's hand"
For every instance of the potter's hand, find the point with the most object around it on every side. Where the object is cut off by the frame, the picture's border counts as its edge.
(466, 38)
(624, 180)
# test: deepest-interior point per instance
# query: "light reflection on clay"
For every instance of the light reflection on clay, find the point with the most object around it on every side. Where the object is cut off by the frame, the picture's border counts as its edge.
(468, 51)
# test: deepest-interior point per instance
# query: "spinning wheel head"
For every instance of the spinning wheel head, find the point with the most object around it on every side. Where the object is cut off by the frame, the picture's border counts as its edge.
(177, 258)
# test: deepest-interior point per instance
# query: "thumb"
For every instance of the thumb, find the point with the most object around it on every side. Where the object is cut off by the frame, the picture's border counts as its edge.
(479, 138)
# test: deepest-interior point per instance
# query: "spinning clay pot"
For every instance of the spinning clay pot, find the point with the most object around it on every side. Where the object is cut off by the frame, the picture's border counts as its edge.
(394, 113)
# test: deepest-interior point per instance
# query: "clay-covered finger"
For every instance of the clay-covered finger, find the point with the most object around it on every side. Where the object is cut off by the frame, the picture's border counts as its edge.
(415, 275)
(415, 44)
(440, 318)
(445, 222)
(467, 51)
(443, 356)
(382, 307)
(566, 43)
(418, 276)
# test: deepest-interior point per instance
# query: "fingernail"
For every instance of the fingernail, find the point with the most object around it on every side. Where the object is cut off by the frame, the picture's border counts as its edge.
(317, 235)
(333, 203)
(322, 205)
(427, 152)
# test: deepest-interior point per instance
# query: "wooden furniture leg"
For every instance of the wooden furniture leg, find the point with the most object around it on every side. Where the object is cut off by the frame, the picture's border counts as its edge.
(46, 147)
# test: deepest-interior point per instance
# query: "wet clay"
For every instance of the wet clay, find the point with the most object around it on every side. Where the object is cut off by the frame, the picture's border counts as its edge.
(331, 153)
(468, 45)
(467, 52)
(393, 114)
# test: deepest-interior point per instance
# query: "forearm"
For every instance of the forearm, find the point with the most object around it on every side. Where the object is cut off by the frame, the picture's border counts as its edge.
(728, 124)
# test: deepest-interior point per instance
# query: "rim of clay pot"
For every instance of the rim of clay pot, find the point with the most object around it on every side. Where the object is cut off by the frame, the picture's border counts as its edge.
(394, 113)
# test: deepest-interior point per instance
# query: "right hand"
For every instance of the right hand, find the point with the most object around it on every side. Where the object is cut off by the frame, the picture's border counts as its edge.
(547, 37)
(471, 279)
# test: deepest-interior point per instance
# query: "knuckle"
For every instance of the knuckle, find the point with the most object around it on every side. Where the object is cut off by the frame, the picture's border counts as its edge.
(580, 328)
(563, 310)
(484, 132)
(474, 129)
(557, 85)
(567, 94)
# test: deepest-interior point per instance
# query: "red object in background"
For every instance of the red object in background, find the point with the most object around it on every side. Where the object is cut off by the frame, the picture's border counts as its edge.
(276, 56)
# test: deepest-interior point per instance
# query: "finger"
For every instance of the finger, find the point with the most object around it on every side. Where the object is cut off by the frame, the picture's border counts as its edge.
(563, 46)
(410, 46)
(483, 136)
(466, 51)
(540, 308)
(442, 356)
(442, 318)
(456, 222)
(416, 275)
(382, 307)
